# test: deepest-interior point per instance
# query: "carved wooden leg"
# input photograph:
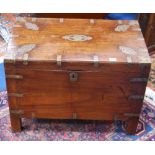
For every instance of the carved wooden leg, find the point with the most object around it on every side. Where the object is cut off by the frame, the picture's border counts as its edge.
(131, 125)
(15, 123)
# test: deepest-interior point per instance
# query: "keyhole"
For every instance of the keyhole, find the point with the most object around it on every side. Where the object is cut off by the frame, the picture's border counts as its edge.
(73, 76)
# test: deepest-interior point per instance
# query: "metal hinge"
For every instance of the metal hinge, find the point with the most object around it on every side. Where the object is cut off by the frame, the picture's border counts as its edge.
(61, 20)
(25, 59)
(17, 112)
(10, 57)
(139, 80)
(136, 97)
(59, 57)
(15, 95)
(96, 60)
(143, 66)
(131, 114)
(14, 76)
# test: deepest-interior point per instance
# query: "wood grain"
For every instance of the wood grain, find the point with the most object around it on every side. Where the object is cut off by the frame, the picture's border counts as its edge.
(101, 91)
(105, 40)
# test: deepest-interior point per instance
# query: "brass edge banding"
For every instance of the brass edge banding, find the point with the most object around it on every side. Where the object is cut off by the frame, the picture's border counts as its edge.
(15, 95)
(14, 76)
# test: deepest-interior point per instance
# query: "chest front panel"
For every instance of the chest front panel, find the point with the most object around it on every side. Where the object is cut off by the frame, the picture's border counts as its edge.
(72, 91)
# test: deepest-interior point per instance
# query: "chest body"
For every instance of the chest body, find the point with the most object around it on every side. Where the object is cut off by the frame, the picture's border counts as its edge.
(76, 69)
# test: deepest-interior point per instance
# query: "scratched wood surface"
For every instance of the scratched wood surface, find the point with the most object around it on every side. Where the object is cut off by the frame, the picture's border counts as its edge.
(77, 40)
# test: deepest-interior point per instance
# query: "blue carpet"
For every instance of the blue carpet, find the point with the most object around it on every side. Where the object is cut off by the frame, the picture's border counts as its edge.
(2, 78)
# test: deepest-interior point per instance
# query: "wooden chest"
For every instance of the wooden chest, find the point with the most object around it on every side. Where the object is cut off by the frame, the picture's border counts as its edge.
(76, 69)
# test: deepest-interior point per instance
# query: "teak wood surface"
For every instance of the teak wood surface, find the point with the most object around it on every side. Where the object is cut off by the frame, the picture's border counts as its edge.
(76, 69)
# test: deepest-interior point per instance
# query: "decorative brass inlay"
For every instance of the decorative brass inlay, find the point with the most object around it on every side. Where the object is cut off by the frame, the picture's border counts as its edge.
(31, 26)
(127, 50)
(77, 37)
(25, 49)
(122, 28)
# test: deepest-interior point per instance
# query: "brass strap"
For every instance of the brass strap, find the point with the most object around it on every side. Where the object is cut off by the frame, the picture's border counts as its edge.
(14, 57)
(15, 95)
(139, 80)
(116, 116)
(131, 114)
(74, 116)
(17, 112)
(33, 115)
(14, 76)
(25, 59)
(136, 97)
(96, 60)
(59, 57)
